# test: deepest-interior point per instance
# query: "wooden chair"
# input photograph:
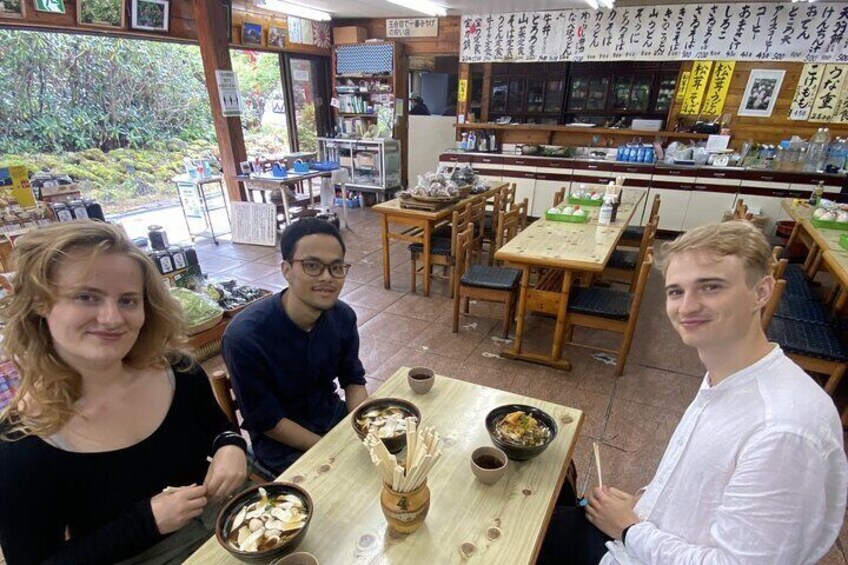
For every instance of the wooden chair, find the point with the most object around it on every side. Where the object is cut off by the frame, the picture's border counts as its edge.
(610, 310)
(632, 236)
(740, 211)
(442, 249)
(624, 264)
(477, 215)
(504, 202)
(223, 391)
(485, 282)
(510, 223)
(559, 196)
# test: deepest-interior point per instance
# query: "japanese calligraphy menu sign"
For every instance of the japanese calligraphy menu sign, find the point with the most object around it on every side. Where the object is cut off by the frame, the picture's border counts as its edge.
(830, 89)
(805, 92)
(815, 33)
(717, 90)
(412, 27)
(696, 88)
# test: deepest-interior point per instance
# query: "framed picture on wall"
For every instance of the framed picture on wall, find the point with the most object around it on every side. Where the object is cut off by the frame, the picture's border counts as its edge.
(101, 13)
(761, 93)
(228, 16)
(12, 9)
(277, 37)
(150, 15)
(50, 6)
(251, 34)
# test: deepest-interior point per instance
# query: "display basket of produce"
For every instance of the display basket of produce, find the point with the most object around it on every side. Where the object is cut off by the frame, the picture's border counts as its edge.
(833, 217)
(429, 203)
(575, 215)
(585, 201)
(200, 311)
(233, 297)
(829, 224)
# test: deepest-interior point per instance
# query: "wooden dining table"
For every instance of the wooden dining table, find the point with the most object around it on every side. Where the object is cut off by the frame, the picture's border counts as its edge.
(571, 248)
(817, 240)
(468, 522)
(416, 226)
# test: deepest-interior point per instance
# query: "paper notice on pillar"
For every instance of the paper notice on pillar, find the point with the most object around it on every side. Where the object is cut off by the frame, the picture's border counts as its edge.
(228, 93)
(717, 91)
(824, 105)
(840, 116)
(335, 103)
(696, 88)
(805, 92)
(681, 88)
(254, 223)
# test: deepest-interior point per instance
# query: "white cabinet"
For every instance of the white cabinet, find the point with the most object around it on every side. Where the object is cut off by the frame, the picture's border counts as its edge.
(706, 207)
(543, 197)
(524, 178)
(673, 204)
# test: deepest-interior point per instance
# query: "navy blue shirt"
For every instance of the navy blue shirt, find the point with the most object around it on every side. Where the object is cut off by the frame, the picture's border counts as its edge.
(280, 371)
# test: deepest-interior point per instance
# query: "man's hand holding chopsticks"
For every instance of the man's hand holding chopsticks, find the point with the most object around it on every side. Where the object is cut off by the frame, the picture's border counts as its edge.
(611, 510)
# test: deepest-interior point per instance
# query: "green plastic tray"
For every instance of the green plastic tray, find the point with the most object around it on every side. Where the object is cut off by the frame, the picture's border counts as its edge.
(568, 218)
(585, 201)
(843, 240)
(830, 225)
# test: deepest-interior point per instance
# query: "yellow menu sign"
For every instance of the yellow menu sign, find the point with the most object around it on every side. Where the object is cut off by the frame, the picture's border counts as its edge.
(697, 86)
(681, 88)
(462, 93)
(717, 91)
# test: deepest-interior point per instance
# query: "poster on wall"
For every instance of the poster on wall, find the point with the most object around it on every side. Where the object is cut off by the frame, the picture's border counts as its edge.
(761, 93)
(811, 33)
(805, 92)
(150, 15)
(101, 13)
(696, 88)
(717, 90)
(321, 35)
(228, 93)
(277, 37)
(412, 27)
(295, 31)
(50, 6)
(12, 9)
(827, 97)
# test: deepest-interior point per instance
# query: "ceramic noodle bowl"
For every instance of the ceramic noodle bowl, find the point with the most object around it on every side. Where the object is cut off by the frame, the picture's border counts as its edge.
(504, 422)
(385, 418)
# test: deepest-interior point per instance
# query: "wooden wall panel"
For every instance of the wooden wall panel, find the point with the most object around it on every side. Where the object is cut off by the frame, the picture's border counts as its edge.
(183, 27)
(447, 43)
(763, 130)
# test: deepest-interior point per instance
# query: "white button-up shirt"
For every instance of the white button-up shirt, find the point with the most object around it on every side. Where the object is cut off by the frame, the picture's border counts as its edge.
(755, 473)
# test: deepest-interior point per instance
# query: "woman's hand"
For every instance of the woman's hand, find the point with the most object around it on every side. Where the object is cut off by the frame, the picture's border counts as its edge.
(226, 473)
(173, 508)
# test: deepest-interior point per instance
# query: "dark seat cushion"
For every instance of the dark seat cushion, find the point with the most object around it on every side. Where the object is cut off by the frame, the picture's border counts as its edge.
(633, 232)
(797, 283)
(807, 339)
(483, 276)
(438, 246)
(622, 259)
(597, 301)
(802, 309)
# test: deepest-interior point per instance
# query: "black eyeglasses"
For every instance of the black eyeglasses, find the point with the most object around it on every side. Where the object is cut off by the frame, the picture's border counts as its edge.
(315, 268)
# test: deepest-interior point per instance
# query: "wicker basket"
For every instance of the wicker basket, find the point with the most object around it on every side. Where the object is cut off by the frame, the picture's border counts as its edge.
(207, 325)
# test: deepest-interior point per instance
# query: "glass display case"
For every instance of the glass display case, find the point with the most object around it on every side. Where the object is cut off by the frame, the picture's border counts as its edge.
(373, 165)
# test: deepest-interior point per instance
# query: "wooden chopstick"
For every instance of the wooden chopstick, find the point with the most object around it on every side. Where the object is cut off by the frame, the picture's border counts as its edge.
(598, 463)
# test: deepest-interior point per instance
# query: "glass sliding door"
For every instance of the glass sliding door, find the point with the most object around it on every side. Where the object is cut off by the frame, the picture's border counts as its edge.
(308, 79)
(265, 119)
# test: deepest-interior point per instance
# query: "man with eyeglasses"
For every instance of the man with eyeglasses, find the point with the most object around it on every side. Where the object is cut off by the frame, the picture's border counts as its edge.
(285, 353)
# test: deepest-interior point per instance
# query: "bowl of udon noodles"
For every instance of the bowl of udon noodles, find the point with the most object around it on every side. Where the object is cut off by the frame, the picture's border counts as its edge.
(521, 431)
(264, 522)
(386, 419)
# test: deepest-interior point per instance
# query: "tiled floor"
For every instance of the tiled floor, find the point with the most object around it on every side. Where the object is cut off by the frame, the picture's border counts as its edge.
(632, 417)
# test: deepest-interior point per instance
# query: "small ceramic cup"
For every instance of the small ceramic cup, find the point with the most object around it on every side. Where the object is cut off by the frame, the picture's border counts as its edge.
(296, 558)
(488, 464)
(421, 379)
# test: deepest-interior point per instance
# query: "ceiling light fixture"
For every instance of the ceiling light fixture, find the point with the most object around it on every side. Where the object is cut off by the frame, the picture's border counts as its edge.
(423, 6)
(298, 10)
(592, 4)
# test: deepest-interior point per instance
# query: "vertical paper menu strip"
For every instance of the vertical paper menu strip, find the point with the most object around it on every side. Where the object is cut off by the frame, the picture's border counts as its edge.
(840, 116)
(698, 80)
(830, 89)
(717, 90)
(805, 92)
(681, 88)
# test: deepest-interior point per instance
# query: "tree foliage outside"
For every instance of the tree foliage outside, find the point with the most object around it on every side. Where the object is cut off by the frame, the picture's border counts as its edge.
(119, 115)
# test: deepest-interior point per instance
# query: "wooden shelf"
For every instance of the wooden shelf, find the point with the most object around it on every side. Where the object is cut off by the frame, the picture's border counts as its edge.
(593, 131)
(356, 115)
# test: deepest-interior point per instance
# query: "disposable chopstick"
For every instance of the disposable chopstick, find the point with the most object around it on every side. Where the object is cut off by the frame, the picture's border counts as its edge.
(598, 463)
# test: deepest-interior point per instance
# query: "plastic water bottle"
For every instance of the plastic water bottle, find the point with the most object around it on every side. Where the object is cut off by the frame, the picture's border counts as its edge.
(619, 156)
(838, 154)
(605, 215)
(817, 150)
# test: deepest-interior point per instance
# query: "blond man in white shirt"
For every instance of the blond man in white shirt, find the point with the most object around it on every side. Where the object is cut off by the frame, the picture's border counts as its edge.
(755, 472)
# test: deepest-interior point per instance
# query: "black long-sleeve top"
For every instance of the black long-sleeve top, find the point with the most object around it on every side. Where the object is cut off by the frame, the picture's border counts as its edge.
(103, 499)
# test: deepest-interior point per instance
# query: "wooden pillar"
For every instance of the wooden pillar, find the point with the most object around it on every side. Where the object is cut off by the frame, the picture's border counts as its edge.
(487, 90)
(462, 105)
(215, 52)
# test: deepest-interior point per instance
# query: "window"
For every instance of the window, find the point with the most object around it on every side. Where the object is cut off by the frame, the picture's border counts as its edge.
(308, 81)
(265, 120)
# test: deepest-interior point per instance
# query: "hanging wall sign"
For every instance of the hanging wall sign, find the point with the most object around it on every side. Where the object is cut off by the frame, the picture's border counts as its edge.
(805, 92)
(840, 116)
(830, 89)
(737, 32)
(462, 91)
(696, 88)
(717, 90)
(412, 27)
(228, 93)
(681, 88)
